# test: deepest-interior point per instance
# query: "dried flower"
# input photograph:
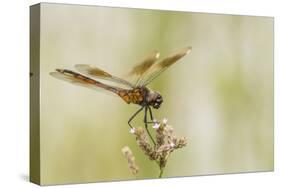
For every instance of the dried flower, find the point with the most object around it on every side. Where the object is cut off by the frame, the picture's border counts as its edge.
(156, 125)
(133, 130)
(160, 136)
(165, 121)
(143, 143)
(181, 142)
(131, 160)
(166, 142)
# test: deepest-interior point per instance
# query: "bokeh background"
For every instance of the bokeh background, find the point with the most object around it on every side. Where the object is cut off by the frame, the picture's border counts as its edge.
(220, 96)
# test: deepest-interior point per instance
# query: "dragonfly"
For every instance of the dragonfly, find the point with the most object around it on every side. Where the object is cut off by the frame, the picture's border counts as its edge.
(136, 93)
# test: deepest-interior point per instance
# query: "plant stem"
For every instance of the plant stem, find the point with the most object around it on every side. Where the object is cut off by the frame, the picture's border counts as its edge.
(161, 172)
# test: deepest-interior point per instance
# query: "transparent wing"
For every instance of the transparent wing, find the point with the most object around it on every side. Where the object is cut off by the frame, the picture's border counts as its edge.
(157, 68)
(145, 64)
(95, 72)
(139, 70)
(80, 80)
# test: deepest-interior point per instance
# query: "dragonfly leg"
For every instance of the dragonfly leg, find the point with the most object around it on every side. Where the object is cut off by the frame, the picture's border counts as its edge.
(146, 127)
(151, 116)
(133, 116)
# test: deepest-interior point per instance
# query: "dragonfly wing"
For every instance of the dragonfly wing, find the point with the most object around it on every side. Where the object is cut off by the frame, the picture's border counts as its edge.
(80, 80)
(96, 72)
(139, 70)
(145, 64)
(158, 68)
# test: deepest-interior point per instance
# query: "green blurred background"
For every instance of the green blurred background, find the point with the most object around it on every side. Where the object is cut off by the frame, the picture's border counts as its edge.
(220, 96)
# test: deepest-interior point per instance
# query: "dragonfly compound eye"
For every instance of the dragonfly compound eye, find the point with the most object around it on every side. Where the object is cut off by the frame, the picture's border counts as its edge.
(157, 102)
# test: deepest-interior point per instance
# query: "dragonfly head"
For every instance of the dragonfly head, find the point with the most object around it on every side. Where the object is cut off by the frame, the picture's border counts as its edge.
(154, 99)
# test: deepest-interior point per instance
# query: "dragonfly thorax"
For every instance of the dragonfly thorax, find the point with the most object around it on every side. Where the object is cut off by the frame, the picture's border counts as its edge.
(142, 96)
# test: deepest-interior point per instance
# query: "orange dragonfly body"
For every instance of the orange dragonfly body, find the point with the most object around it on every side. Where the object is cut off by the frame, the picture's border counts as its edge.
(137, 93)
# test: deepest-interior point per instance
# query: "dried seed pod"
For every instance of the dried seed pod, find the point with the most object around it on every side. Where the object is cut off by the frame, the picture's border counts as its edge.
(131, 160)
